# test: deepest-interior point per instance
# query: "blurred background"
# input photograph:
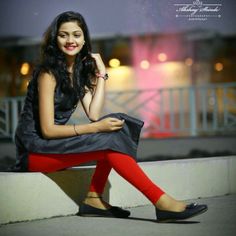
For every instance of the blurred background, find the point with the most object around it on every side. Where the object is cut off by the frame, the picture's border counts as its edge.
(172, 63)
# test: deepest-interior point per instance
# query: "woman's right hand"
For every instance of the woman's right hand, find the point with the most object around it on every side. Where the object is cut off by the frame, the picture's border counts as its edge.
(108, 124)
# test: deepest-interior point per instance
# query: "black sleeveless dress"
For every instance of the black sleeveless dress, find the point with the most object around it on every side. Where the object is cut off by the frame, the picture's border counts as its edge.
(28, 137)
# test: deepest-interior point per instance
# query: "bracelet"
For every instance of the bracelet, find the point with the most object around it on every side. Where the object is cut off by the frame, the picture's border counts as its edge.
(77, 134)
(105, 77)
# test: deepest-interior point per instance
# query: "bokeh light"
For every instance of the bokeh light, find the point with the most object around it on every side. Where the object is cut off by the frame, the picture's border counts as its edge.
(188, 61)
(144, 64)
(219, 66)
(25, 67)
(114, 62)
(162, 57)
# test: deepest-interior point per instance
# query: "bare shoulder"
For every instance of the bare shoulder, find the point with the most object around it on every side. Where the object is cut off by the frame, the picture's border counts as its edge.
(46, 80)
(46, 76)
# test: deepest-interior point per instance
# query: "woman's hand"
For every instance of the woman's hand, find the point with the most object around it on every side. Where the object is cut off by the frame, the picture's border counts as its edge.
(100, 65)
(108, 125)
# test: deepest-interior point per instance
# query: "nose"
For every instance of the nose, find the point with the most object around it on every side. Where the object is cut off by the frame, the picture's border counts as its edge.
(70, 39)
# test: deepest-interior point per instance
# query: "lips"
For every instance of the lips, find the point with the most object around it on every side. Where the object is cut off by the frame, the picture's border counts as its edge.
(70, 48)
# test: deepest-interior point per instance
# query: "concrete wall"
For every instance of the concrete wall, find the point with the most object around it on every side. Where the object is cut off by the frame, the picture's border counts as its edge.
(30, 196)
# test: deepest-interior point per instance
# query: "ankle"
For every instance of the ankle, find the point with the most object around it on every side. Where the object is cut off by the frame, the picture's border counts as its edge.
(96, 201)
(94, 195)
(168, 203)
(93, 199)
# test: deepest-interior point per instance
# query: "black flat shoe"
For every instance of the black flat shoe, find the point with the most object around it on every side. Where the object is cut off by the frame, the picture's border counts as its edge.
(191, 210)
(114, 211)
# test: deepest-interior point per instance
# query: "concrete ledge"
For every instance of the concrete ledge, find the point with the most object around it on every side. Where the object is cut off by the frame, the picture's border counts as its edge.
(30, 196)
(183, 179)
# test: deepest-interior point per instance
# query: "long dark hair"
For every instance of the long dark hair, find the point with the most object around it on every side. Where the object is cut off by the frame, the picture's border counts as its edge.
(53, 61)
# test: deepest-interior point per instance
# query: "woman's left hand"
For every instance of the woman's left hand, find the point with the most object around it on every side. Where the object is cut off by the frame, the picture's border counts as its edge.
(100, 65)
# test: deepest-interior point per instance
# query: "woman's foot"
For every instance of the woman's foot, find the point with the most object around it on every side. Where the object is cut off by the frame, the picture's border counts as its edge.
(169, 209)
(191, 210)
(94, 205)
(97, 202)
(167, 203)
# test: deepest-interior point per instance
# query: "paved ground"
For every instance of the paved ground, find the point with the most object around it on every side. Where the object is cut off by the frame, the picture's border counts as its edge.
(219, 220)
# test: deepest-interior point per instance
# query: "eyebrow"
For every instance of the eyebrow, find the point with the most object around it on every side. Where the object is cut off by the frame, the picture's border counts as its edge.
(75, 31)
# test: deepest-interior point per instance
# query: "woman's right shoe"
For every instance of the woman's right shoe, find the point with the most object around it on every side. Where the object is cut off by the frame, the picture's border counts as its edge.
(191, 210)
(114, 211)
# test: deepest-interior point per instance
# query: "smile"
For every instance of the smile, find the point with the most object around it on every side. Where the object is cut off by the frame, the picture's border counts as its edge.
(70, 48)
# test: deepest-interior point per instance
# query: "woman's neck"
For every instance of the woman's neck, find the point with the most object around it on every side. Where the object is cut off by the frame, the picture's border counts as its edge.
(70, 63)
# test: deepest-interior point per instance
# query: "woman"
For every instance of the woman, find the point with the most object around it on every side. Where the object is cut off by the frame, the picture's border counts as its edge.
(70, 73)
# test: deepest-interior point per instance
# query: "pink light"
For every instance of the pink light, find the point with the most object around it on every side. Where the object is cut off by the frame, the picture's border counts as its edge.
(151, 75)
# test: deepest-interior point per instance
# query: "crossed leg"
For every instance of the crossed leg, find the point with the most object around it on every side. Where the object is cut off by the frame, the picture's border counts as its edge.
(123, 164)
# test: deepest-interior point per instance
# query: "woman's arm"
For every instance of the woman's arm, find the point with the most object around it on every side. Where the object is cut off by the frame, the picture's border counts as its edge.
(93, 103)
(46, 88)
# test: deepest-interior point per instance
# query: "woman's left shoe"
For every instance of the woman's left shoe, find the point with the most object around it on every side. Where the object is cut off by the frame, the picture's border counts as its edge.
(191, 210)
(114, 211)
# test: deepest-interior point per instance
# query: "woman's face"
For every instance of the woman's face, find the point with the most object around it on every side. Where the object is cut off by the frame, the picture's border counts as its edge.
(70, 38)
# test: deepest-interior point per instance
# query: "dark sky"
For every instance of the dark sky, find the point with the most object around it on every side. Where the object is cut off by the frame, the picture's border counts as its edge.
(111, 17)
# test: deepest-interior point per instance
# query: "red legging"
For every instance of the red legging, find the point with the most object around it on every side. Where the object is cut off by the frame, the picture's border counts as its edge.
(123, 164)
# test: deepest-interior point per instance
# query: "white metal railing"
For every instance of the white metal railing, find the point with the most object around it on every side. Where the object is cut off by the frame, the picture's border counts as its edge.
(167, 112)
(188, 111)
